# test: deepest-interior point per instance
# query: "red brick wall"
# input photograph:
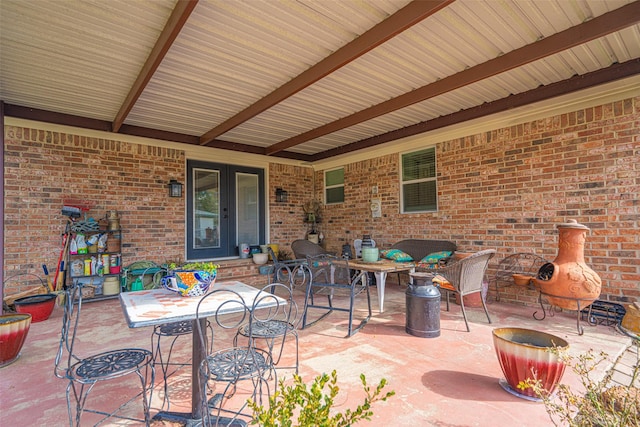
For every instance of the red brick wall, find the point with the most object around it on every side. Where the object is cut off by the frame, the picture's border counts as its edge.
(286, 219)
(45, 170)
(508, 188)
(504, 189)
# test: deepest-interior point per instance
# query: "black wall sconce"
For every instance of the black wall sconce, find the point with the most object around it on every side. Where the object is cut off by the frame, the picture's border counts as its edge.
(175, 188)
(281, 195)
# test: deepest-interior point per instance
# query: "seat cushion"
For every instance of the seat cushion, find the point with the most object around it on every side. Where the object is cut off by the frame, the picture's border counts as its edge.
(443, 283)
(396, 255)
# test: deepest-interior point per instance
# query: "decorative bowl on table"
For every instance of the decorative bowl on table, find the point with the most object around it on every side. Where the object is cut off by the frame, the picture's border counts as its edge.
(370, 254)
(189, 283)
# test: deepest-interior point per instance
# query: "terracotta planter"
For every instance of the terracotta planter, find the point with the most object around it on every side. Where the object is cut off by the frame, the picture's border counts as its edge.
(474, 300)
(568, 279)
(13, 333)
(524, 353)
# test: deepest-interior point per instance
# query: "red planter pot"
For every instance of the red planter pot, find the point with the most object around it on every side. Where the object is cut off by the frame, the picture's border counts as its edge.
(523, 354)
(13, 333)
(39, 307)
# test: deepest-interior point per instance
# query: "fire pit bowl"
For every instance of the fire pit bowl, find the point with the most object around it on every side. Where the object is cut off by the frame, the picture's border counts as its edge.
(523, 354)
(39, 307)
(13, 333)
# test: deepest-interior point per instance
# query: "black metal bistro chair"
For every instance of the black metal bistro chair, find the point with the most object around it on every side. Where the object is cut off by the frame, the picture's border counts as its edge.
(169, 331)
(276, 324)
(84, 372)
(223, 370)
(331, 275)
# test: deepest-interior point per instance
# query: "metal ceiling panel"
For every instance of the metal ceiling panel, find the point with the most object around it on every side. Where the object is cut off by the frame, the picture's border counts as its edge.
(237, 55)
(76, 57)
(359, 84)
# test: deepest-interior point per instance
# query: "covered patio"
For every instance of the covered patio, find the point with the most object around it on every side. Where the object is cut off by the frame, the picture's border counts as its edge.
(515, 116)
(450, 380)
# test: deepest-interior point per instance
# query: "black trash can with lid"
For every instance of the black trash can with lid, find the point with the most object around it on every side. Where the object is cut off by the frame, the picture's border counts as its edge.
(423, 309)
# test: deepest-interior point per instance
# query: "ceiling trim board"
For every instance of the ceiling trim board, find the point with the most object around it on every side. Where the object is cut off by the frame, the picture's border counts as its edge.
(587, 98)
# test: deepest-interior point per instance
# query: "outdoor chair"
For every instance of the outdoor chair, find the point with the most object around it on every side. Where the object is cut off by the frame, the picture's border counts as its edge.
(303, 248)
(275, 325)
(84, 372)
(465, 276)
(224, 369)
(330, 274)
(170, 331)
(527, 264)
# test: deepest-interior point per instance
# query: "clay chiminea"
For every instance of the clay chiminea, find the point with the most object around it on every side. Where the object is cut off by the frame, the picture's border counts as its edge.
(569, 279)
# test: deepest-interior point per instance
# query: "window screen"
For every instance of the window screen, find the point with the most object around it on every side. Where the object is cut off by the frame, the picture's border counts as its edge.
(419, 190)
(334, 186)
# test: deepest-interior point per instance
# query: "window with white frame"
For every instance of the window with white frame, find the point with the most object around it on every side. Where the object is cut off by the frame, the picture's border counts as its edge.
(334, 186)
(418, 184)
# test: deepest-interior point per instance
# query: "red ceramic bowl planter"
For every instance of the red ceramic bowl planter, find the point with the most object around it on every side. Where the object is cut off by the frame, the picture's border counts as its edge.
(523, 354)
(13, 333)
(39, 307)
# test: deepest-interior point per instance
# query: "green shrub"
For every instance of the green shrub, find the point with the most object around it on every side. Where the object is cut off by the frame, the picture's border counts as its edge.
(312, 405)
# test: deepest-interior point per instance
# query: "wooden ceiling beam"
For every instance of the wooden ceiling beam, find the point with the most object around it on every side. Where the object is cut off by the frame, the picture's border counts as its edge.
(590, 30)
(176, 21)
(406, 17)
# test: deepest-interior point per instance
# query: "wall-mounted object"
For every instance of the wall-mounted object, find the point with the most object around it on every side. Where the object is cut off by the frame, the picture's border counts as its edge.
(175, 188)
(376, 208)
(281, 195)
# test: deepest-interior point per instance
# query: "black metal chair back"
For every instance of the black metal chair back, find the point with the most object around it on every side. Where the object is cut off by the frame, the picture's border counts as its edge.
(331, 275)
(228, 366)
(167, 332)
(275, 324)
(84, 372)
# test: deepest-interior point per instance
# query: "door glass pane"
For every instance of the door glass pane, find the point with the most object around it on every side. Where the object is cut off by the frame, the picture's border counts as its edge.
(206, 221)
(247, 211)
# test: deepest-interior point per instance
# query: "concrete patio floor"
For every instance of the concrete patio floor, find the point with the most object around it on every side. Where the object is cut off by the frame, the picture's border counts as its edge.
(450, 380)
